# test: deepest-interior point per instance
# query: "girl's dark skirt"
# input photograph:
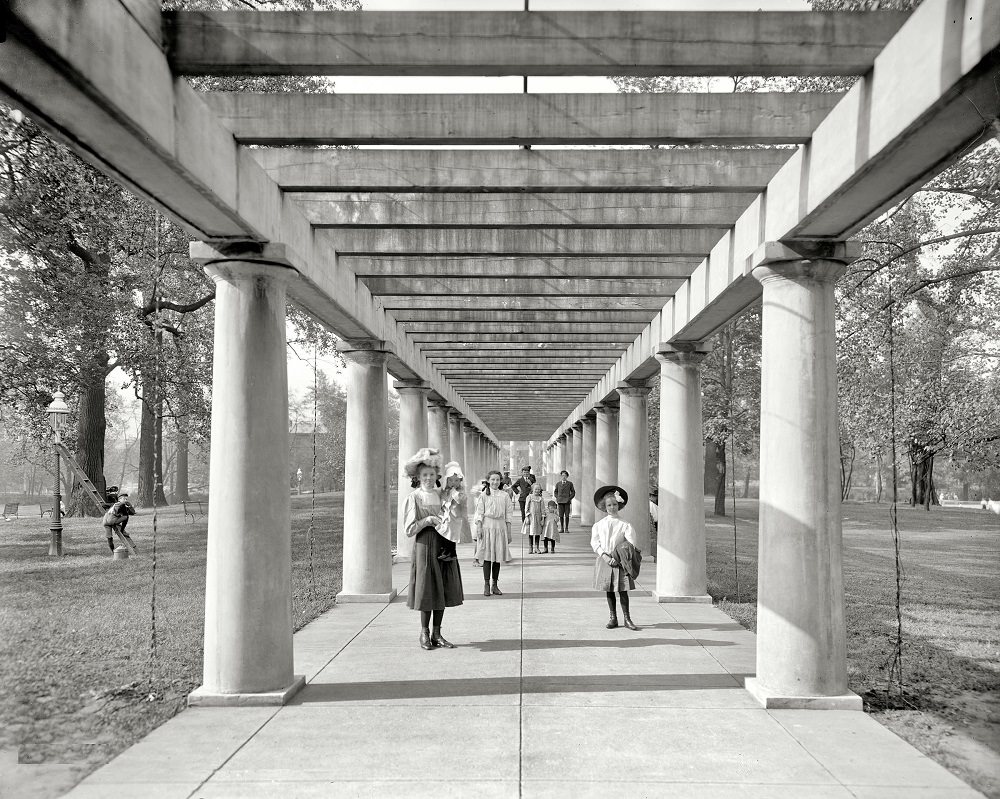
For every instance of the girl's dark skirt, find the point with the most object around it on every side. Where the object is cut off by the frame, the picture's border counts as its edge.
(434, 584)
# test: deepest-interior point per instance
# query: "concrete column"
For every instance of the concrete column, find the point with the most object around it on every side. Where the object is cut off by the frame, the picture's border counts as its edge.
(588, 474)
(801, 637)
(560, 456)
(681, 572)
(513, 467)
(577, 470)
(413, 434)
(455, 445)
(571, 440)
(633, 458)
(546, 468)
(606, 471)
(437, 428)
(248, 607)
(367, 558)
(469, 444)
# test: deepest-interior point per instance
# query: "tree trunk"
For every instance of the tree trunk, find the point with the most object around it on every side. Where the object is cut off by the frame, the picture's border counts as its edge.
(91, 428)
(746, 484)
(150, 458)
(720, 486)
(923, 491)
(181, 468)
(846, 470)
(965, 491)
(879, 487)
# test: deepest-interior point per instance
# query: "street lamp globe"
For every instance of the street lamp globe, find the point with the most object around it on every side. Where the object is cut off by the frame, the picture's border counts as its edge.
(58, 410)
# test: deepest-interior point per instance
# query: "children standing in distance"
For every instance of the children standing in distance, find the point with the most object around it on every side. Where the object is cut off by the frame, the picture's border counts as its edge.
(550, 534)
(453, 511)
(534, 517)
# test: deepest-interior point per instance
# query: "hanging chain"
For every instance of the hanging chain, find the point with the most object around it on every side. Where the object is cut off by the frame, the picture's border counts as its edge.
(736, 562)
(311, 534)
(895, 660)
(157, 453)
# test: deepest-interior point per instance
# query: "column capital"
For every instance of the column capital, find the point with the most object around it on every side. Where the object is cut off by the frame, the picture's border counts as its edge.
(361, 344)
(436, 401)
(577, 426)
(454, 412)
(411, 385)
(468, 426)
(819, 260)
(366, 357)
(243, 260)
(589, 416)
(560, 440)
(606, 409)
(683, 352)
(633, 388)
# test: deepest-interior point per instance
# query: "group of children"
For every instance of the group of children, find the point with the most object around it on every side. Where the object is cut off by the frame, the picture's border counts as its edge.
(541, 518)
(541, 522)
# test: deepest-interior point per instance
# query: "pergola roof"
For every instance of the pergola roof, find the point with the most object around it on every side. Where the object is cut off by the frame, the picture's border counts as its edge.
(523, 285)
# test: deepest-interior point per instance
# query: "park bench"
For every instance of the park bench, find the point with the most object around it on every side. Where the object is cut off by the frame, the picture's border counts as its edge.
(42, 511)
(194, 508)
(10, 511)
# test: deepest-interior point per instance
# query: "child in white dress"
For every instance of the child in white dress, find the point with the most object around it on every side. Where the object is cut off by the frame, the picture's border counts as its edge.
(453, 512)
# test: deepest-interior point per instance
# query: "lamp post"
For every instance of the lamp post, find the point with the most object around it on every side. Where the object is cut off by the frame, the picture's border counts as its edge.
(57, 412)
(298, 479)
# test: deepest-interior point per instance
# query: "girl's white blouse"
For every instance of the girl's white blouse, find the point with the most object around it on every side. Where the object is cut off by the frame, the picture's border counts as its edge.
(608, 533)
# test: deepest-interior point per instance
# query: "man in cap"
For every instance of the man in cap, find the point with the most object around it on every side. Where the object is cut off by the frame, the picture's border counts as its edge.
(523, 487)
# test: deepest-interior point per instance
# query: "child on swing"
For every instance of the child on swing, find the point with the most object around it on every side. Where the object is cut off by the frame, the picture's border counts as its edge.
(453, 511)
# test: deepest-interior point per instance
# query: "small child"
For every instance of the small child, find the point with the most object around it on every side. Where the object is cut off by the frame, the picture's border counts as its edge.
(551, 533)
(453, 511)
(117, 517)
(534, 517)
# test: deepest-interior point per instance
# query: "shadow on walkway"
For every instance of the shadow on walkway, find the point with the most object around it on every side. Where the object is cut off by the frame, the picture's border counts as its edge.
(498, 686)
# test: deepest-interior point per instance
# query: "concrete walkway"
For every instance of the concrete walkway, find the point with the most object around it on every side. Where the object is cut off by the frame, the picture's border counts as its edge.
(540, 700)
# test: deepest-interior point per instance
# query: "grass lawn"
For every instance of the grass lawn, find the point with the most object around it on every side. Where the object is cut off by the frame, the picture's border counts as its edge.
(77, 683)
(951, 634)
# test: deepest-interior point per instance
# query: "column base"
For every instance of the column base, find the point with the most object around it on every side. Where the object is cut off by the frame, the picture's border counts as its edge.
(699, 599)
(200, 697)
(344, 598)
(772, 701)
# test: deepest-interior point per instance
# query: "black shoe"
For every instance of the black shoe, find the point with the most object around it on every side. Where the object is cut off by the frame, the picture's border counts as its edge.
(447, 558)
(425, 640)
(438, 640)
(486, 589)
(496, 589)
(612, 622)
(629, 623)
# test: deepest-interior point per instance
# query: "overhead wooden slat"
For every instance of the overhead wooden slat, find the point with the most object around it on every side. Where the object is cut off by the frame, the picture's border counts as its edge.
(534, 43)
(492, 267)
(538, 243)
(528, 329)
(457, 119)
(522, 287)
(689, 169)
(521, 303)
(405, 210)
(618, 315)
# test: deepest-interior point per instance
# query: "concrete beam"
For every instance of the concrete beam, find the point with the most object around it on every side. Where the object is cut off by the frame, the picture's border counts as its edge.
(456, 119)
(525, 210)
(95, 76)
(434, 351)
(539, 243)
(922, 106)
(523, 287)
(414, 317)
(592, 268)
(535, 43)
(526, 330)
(520, 303)
(661, 170)
(616, 339)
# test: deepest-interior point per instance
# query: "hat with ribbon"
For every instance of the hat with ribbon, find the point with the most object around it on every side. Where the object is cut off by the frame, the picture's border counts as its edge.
(423, 457)
(603, 492)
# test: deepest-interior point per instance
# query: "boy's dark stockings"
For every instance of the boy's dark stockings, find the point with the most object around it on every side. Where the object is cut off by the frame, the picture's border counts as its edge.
(111, 544)
(613, 621)
(491, 569)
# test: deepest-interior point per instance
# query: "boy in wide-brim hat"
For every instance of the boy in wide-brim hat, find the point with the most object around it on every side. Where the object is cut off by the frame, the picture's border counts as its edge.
(614, 541)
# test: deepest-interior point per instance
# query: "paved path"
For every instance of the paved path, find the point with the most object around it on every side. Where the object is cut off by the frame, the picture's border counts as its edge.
(540, 700)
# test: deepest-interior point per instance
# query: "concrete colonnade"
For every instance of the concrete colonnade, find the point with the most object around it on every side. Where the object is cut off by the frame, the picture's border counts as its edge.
(248, 606)
(633, 457)
(606, 455)
(577, 470)
(367, 557)
(437, 428)
(414, 433)
(801, 634)
(588, 474)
